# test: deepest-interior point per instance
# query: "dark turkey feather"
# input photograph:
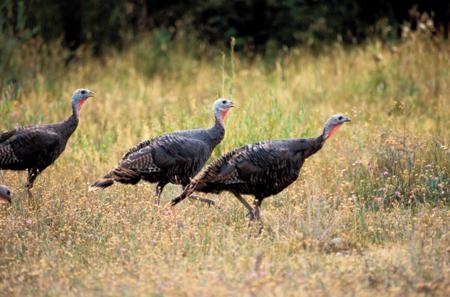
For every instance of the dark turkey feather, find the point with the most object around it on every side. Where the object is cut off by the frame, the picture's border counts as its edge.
(171, 158)
(30, 148)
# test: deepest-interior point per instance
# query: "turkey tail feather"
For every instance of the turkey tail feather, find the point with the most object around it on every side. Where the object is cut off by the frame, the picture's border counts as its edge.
(101, 184)
(119, 174)
(186, 193)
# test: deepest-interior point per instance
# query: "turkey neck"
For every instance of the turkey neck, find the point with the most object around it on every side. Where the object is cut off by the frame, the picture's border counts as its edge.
(311, 146)
(69, 125)
(316, 143)
(308, 146)
(216, 132)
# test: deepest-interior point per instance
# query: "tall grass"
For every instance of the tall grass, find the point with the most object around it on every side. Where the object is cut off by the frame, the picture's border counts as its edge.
(368, 215)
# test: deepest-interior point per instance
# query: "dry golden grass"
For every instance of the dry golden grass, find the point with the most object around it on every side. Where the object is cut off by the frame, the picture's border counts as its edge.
(369, 215)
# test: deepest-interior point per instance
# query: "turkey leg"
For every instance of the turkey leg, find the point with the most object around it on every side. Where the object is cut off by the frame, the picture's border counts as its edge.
(159, 188)
(32, 174)
(251, 213)
(257, 212)
(208, 201)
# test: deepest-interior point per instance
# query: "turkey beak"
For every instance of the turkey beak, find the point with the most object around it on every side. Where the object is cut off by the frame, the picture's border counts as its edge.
(347, 120)
(91, 94)
(231, 104)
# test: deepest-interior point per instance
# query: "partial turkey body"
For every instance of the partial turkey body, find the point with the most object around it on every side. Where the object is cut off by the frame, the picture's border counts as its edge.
(5, 194)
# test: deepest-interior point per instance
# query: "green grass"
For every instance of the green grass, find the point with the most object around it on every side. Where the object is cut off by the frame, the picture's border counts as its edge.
(381, 184)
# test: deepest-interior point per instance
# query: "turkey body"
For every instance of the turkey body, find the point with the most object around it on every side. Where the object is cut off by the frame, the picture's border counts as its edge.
(171, 158)
(34, 147)
(261, 169)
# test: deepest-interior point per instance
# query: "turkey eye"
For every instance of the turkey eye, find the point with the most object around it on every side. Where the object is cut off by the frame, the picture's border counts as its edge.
(224, 102)
(8, 192)
(340, 118)
(83, 92)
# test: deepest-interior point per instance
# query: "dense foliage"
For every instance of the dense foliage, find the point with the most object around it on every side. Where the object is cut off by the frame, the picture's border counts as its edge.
(254, 23)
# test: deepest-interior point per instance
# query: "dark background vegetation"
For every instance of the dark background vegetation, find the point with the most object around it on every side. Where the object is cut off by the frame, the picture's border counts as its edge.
(255, 24)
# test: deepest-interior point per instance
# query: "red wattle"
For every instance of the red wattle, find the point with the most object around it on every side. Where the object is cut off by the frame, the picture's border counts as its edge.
(82, 101)
(333, 130)
(223, 114)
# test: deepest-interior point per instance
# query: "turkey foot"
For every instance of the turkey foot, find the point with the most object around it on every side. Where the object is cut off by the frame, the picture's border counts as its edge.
(208, 201)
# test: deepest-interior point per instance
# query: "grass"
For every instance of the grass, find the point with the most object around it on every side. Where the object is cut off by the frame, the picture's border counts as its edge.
(369, 215)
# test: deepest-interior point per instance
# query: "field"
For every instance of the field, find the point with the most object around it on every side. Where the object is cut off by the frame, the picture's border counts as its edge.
(369, 215)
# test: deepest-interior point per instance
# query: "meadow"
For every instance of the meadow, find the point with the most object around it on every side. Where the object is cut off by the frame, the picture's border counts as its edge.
(368, 216)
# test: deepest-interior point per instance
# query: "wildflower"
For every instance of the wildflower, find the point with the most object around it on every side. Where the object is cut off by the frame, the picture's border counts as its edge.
(263, 273)
(385, 173)
(168, 284)
(398, 194)
(379, 199)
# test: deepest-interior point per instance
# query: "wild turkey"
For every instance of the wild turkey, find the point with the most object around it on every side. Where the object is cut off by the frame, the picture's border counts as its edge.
(34, 148)
(5, 194)
(261, 169)
(170, 158)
